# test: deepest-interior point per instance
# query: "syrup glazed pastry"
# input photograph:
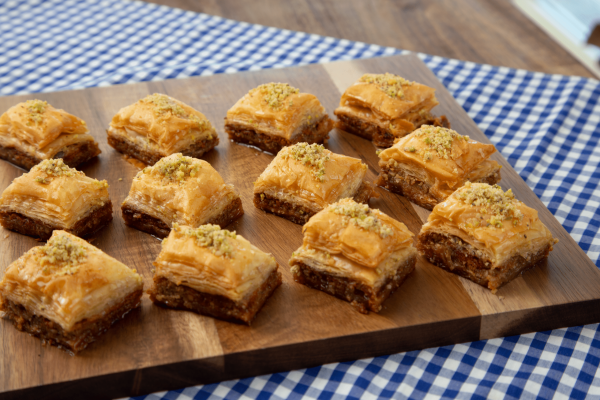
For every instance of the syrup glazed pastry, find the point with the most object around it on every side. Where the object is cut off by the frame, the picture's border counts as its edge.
(354, 253)
(34, 131)
(276, 115)
(182, 190)
(428, 165)
(158, 126)
(68, 292)
(383, 107)
(52, 197)
(303, 179)
(485, 235)
(213, 272)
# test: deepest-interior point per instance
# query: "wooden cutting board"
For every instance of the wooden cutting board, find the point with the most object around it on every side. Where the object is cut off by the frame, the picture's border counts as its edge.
(158, 349)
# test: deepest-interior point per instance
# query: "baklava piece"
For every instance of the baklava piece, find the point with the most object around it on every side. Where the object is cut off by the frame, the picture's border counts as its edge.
(34, 131)
(428, 165)
(213, 272)
(303, 179)
(182, 190)
(384, 107)
(276, 115)
(354, 253)
(158, 126)
(484, 234)
(68, 292)
(52, 196)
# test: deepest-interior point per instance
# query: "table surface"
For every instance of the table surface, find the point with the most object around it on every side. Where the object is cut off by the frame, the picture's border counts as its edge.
(489, 32)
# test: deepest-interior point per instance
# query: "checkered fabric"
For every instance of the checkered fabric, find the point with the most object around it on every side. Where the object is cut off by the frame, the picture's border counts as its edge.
(545, 125)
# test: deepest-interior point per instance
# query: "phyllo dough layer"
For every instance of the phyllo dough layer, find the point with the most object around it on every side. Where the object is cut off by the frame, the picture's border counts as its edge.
(33, 131)
(214, 272)
(440, 160)
(382, 107)
(275, 115)
(157, 126)
(55, 195)
(484, 234)
(311, 177)
(356, 252)
(182, 190)
(67, 281)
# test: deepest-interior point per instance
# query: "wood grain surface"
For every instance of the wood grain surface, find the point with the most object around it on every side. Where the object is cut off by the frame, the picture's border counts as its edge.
(157, 349)
(484, 31)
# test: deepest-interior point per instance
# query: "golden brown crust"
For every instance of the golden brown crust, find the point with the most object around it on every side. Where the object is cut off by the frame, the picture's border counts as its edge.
(158, 228)
(168, 294)
(379, 136)
(299, 214)
(458, 257)
(150, 157)
(396, 180)
(317, 133)
(362, 297)
(162, 123)
(278, 110)
(80, 336)
(72, 155)
(96, 219)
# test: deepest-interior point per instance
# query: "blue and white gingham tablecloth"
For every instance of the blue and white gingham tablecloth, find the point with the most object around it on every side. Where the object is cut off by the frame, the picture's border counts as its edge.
(547, 126)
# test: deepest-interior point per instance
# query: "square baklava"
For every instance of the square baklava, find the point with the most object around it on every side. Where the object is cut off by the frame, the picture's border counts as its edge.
(182, 190)
(276, 115)
(158, 126)
(68, 292)
(212, 271)
(484, 234)
(34, 131)
(432, 162)
(303, 179)
(384, 107)
(354, 253)
(52, 196)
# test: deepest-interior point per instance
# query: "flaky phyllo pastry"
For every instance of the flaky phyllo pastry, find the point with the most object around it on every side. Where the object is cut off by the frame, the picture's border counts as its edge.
(384, 107)
(182, 190)
(303, 179)
(484, 234)
(432, 162)
(34, 131)
(355, 253)
(53, 196)
(214, 272)
(275, 115)
(68, 292)
(157, 126)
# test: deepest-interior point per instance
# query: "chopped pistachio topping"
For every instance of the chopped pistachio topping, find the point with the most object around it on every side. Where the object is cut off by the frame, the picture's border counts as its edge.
(360, 215)
(164, 104)
(217, 240)
(274, 94)
(36, 109)
(53, 168)
(410, 149)
(61, 255)
(498, 205)
(175, 170)
(389, 84)
(438, 140)
(313, 155)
